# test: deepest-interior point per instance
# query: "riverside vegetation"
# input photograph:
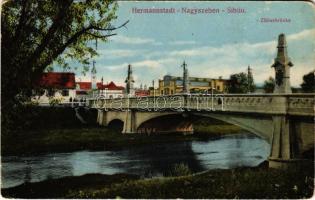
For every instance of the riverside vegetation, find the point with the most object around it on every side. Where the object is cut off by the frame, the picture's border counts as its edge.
(258, 182)
(58, 131)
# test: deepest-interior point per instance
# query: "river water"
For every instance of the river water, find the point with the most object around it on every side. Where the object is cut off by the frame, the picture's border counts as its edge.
(146, 160)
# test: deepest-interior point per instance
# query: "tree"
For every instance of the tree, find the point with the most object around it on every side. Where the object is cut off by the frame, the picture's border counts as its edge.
(36, 34)
(269, 85)
(239, 83)
(308, 84)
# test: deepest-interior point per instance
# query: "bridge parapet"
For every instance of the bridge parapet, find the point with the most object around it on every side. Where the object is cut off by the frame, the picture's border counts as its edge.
(293, 104)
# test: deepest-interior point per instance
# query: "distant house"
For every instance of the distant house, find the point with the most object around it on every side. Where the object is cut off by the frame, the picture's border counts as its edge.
(56, 87)
(170, 85)
(142, 92)
(110, 90)
(83, 89)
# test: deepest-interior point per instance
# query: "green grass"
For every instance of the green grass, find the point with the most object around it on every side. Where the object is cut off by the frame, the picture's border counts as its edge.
(97, 138)
(213, 127)
(65, 140)
(259, 182)
(217, 129)
(238, 183)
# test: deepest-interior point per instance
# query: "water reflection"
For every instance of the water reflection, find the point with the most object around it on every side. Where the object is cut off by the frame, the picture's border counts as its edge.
(145, 160)
(231, 152)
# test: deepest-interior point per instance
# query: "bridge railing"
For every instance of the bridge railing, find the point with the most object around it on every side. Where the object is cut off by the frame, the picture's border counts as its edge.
(295, 104)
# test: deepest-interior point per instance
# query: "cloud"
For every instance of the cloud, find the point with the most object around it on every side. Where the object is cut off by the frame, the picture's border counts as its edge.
(209, 61)
(132, 40)
(148, 64)
(182, 42)
(118, 53)
(215, 61)
(308, 33)
(228, 50)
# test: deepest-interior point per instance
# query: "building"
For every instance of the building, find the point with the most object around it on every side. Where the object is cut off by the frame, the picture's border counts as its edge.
(154, 92)
(110, 90)
(54, 87)
(142, 93)
(170, 85)
(83, 90)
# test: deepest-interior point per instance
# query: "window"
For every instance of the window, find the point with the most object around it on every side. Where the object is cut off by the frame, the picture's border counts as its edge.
(161, 92)
(171, 91)
(166, 91)
(218, 87)
(65, 93)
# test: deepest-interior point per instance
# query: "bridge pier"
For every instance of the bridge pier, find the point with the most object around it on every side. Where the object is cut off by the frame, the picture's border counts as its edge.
(284, 145)
(101, 117)
(130, 122)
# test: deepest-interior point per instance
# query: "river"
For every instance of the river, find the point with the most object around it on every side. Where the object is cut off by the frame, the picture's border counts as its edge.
(148, 160)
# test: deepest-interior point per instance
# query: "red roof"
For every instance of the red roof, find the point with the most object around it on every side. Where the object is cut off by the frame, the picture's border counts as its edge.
(142, 93)
(85, 85)
(110, 86)
(58, 80)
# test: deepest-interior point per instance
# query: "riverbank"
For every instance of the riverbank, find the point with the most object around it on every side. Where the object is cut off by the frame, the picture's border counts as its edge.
(258, 182)
(99, 138)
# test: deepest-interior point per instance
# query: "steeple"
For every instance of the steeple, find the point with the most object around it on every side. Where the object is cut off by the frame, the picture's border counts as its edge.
(129, 82)
(185, 79)
(282, 64)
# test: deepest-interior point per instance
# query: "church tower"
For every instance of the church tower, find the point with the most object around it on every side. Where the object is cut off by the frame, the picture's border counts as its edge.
(282, 64)
(129, 82)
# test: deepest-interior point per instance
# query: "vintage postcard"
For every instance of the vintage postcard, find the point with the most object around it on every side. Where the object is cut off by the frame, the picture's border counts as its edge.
(157, 99)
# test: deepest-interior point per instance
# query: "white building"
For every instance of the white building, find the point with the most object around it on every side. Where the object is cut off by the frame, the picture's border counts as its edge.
(55, 87)
(110, 90)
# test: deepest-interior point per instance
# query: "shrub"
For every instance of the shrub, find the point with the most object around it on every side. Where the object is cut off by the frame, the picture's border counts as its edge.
(180, 169)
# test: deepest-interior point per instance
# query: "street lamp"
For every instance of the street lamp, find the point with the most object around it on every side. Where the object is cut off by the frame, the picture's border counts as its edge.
(105, 92)
(212, 97)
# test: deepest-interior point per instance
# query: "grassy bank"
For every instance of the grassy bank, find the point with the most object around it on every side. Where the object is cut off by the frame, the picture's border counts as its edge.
(97, 138)
(65, 140)
(259, 182)
(213, 127)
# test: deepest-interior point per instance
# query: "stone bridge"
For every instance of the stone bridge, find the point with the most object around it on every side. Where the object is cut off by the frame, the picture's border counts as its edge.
(284, 120)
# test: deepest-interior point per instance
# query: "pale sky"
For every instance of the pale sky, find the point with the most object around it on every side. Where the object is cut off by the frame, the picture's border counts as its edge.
(212, 45)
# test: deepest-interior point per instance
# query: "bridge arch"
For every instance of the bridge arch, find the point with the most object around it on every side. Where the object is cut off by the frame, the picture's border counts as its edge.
(261, 127)
(170, 122)
(114, 115)
(116, 125)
